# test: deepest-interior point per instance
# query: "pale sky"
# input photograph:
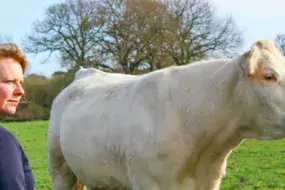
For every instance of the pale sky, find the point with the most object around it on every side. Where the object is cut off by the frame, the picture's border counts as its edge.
(258, 19)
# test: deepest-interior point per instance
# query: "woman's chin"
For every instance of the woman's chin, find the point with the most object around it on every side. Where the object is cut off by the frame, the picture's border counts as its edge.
(11, 110)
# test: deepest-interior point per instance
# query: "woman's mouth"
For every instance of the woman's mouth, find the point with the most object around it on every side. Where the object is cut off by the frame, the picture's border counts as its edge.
(13, 102)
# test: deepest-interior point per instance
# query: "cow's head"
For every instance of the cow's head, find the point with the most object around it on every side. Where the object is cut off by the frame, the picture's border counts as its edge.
(260, 92)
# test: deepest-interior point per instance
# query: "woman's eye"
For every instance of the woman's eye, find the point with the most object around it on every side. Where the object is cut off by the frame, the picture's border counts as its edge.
(10, 82)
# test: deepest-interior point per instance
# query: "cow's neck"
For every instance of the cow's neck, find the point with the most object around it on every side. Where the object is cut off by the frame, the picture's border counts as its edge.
(210, 128)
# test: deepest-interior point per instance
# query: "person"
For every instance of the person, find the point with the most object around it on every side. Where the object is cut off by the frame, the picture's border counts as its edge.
(15, 172)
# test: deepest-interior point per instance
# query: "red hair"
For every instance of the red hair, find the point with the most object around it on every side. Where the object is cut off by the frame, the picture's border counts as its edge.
(11, 50)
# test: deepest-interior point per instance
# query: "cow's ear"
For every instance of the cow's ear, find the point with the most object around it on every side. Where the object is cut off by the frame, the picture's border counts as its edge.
(249, 61)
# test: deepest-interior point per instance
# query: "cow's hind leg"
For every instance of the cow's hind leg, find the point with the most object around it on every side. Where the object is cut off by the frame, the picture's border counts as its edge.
(62, 176)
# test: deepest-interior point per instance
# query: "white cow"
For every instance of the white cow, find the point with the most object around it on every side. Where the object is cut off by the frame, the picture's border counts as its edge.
(171, 129)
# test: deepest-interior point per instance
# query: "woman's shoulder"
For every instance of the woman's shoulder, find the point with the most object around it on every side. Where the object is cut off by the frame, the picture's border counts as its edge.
(7, 135)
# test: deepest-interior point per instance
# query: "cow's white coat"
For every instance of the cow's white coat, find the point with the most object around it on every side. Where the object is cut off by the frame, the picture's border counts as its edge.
(170, 129)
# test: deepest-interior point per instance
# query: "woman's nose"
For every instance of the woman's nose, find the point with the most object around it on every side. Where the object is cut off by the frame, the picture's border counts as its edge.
(19, 90)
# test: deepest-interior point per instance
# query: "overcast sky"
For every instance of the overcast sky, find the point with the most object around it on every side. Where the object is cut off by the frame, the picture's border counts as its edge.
(258, 19)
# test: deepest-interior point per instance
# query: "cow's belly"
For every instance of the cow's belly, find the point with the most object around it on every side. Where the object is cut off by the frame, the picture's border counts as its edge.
(95, 164)
(108, 174)
(99, 155)
(100, 172)
(98, 143)
(99, 162)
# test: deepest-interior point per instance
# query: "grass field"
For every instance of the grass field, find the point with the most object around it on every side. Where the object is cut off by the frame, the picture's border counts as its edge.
(253, 165)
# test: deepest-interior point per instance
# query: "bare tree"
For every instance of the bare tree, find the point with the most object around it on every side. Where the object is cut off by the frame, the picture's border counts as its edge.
(71, 29)
(200, 33)
(132, 36)
(280, 42)
(130, 33)
(152, 34)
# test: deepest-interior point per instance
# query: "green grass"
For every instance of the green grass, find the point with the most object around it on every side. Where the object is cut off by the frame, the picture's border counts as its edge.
(253, 165)
(256, 165)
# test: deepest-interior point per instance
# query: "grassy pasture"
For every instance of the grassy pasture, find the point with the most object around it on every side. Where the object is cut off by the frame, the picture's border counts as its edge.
(253, 165)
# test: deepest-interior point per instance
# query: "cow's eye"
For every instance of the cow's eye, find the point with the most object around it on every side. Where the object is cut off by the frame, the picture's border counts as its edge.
(270, 77)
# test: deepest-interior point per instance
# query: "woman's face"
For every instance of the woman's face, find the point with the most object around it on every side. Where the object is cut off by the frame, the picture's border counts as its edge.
(11, 80)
